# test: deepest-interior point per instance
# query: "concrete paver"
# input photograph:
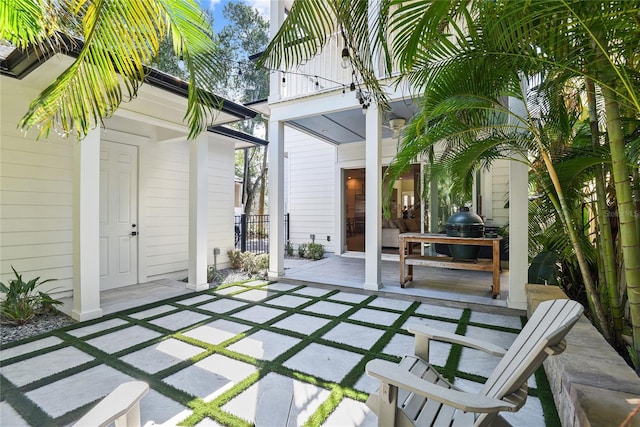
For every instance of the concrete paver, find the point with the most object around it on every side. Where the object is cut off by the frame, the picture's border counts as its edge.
(211, 376)
(29, 347)
(77, 390)
(301, 323)
(354, 335)
(179, 320)
(377, 317)
(97, 327)
(119, 340)
(217, 331)
(29, 370)
(351, 413)
(329, 308)
(160, 356)
(296, 401)
(328, 363)
(222, 305)
(264, 345)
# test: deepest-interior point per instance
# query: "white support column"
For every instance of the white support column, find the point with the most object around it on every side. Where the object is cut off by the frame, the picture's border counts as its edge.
(518, 224)
(86, 228)
(276, 199)
(373, 195)
(518, 234)
(198, 165)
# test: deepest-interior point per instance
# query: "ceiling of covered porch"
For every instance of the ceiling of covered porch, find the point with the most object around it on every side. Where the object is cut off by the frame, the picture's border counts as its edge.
(348, 126)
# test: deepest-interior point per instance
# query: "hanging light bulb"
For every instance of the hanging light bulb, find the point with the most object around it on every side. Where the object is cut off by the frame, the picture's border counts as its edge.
(345, 58)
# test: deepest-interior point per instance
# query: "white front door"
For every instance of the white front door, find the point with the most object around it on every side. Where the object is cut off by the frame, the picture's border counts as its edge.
(118, 215)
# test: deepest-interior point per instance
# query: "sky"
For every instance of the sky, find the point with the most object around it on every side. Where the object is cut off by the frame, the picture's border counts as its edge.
(217, 5)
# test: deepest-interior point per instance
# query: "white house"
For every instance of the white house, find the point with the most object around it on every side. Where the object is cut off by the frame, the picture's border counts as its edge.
(326, 160)
(134, 201)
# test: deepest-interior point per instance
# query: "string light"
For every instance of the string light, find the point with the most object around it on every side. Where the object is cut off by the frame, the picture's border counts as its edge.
(364, 97)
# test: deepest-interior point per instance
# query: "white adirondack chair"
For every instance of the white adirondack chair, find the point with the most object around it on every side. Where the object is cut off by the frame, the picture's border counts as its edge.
(121, 406)
(413, 393)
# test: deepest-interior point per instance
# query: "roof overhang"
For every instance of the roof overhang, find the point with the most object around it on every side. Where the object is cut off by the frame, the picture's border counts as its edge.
(244, 140)
(19, 64)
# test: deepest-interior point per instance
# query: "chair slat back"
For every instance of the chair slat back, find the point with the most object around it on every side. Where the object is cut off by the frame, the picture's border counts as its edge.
(545, 330)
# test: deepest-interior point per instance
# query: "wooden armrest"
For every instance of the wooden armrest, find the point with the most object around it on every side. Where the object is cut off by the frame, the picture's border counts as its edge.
(115, 405)
(437, 335)
(391, 373)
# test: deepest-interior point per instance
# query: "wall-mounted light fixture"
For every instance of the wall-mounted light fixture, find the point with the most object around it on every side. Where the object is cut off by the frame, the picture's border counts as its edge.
(346, 60)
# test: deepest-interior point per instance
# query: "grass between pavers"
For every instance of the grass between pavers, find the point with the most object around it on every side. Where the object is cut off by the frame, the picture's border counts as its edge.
(16, 396)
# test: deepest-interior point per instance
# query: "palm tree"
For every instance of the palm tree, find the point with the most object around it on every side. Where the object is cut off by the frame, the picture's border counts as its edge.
(116, 40)
(587, 39)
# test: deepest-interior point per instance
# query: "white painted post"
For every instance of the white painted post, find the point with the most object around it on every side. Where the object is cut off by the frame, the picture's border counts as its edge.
(198, 165)
(276, 199)
(518, 225)
(373, 194)
(86, 228)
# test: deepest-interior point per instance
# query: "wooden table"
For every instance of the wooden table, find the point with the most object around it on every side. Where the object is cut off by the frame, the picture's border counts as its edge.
(407, 259)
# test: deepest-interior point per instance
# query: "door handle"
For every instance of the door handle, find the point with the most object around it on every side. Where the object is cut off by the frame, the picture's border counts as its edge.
(134, 233)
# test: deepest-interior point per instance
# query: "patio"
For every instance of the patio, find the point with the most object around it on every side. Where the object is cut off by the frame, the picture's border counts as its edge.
(269, 354)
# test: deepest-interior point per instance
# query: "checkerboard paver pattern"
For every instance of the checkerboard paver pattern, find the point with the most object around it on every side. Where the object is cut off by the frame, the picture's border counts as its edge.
(263, 353)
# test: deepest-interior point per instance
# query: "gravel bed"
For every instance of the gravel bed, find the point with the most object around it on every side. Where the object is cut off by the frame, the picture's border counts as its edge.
(50, 321)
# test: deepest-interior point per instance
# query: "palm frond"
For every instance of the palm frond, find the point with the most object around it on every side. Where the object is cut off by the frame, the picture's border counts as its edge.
(119, 39)
(24, 22)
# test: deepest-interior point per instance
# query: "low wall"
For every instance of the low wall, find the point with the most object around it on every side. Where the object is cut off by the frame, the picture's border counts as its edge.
(592, 385)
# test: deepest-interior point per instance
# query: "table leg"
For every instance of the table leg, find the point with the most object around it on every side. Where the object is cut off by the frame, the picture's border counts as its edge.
(496, 268)
(401, 253)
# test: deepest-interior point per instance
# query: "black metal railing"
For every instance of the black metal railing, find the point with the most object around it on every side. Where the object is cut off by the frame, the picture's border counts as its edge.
(252, 233)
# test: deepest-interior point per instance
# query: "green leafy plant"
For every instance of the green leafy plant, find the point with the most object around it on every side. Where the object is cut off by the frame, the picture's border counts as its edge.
(213, 275)
(288, 248)
(302, 250)
(248, 262)
(544, 269)
(22, 301)
(314, 251)
(235, 258)
(262, 262)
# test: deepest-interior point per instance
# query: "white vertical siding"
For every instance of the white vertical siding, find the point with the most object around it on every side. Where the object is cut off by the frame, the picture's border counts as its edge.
(35, 197)
(311, 189)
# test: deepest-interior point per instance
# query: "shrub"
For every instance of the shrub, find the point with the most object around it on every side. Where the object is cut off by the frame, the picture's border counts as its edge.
(248, 262)
(302, 250)
(314, 251)
(288, 248)
(213, 275)
(235, 258)
(262, 263)
(22, 301)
